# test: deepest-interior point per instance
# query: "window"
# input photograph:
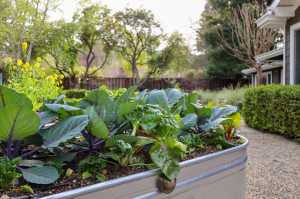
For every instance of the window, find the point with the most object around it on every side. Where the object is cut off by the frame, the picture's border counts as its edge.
(266, 78)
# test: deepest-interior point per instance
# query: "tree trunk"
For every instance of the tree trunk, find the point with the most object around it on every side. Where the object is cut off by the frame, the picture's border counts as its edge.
(140, 85)
(19, 49)
(77, 83)
(136, 72)
(29, 51)
(259, 74)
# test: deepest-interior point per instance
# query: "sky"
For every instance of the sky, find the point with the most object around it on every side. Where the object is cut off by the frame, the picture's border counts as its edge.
(172, 14)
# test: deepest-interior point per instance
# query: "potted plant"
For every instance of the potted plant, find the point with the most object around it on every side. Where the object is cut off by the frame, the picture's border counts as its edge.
(131, 132)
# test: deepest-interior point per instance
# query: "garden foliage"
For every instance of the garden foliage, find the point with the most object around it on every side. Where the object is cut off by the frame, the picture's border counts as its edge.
(33, 82)
(273, 108)
(75, 93)
(123, 120)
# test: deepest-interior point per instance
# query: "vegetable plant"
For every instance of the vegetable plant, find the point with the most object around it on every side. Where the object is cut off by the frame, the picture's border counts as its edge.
(92, 166)
(9, 175)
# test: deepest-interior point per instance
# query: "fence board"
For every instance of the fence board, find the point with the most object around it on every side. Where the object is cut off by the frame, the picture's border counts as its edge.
(187, 84)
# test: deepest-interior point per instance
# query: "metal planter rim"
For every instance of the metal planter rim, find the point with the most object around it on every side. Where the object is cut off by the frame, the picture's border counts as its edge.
(123, 180)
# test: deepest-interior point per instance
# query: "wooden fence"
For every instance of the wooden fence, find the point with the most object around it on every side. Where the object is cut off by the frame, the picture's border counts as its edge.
(188, 84)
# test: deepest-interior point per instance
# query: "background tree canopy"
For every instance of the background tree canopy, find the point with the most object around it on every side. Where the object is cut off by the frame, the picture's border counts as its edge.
(218, 63)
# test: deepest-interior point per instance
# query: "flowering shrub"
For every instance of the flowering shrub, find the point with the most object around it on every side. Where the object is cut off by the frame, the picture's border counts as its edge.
(32, 81)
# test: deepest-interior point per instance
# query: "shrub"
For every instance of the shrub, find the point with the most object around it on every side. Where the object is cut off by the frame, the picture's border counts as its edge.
(273, 108)
(75, 93)
(230, 94)
(33, 82)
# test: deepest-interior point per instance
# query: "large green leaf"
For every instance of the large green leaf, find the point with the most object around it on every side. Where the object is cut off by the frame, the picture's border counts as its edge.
(126, 138)
(202, 112)
(106, 111)
(46, 117)
(66, 157)
(217, 116)
(173, 96)
(125, 96)
(191, 99)
(141, 95)
(155, 95)
(40, 175)
(97, 97)
(65, 110)
(166, 155)
(189, 121)
(163, 105)
(168, 127)
(147, 117)
(63, 130)
(96, 126)
(9, 97)
(125, 109)
(17, 122)
(32, 163)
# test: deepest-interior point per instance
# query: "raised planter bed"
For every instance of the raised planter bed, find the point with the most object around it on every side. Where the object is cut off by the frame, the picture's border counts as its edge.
(218, 175)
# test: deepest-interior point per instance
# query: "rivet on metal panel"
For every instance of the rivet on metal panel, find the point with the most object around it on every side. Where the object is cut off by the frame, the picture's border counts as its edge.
(165, 185)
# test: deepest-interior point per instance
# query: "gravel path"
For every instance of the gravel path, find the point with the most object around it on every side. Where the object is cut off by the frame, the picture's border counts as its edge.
(273, 168)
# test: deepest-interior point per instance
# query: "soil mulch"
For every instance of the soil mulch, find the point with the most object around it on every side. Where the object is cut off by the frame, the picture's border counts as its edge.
(111, 171)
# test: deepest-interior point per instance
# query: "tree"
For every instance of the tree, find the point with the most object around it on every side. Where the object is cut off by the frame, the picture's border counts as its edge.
(251, 40)
(217, 62)
(132, 32)
(81, 36)
(174, 56)
(23, 21)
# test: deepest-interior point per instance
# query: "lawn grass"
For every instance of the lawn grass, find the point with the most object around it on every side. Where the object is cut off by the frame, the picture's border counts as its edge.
(70, 99)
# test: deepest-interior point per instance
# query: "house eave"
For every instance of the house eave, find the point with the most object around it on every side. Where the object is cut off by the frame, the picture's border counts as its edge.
(269, 55)
(271, 21)
(252, 70)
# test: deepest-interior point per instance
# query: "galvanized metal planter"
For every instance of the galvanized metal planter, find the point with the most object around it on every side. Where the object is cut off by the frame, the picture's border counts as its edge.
(215, 176)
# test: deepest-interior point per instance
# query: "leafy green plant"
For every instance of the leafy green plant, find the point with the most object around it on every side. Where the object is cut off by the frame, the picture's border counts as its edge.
(232, 127)
(123, 152)
(192, 140)
(58, 165)
(33, 82)
(8, 175)
(91, 166)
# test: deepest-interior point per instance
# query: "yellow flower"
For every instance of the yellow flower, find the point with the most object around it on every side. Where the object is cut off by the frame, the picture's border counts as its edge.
(42, 69)
(35, 80)
(19, 62)
(30, 73)
(61, 76)
(14, 67)
(57, 88)
(9, 59)
(24, 46)
(26, 65)
(60, 82)
(37, 65)
(30, 68)
(38, 59)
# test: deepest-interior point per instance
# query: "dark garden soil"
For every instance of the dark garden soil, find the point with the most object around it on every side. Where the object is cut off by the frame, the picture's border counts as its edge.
(111, 172)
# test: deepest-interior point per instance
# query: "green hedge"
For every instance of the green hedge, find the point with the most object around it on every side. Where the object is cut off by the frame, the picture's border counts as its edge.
(75, 93)
(273, 108)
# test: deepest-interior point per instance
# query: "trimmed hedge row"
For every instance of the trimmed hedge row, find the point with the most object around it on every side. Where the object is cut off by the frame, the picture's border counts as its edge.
(75, 93)
(273, 108)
